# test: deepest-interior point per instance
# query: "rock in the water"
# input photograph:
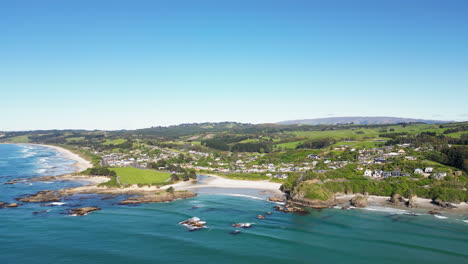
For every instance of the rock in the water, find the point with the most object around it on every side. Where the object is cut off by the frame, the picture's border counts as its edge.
(261, 217)
(275, 199)
(346, 207)
(278, 208)
(359, 201)
(235, 232)
(295, 209)
(40, 197)
(158, 197)
(83, 210)
(268, 213)
(2, 204)
(13, 205)
(193, 224)
(40, 212)
(243, 225)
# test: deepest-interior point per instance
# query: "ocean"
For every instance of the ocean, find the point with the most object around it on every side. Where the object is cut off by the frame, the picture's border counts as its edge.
(150, 233)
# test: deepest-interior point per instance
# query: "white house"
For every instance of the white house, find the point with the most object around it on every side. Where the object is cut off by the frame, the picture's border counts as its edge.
(368, 173)
(418, 171)
(428, 169)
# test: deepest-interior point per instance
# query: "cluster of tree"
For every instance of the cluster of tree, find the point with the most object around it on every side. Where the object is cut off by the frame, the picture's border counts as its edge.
(317, 143)
(101, 171)
(456, 129)
(222, 142)
(186, 175)
(125, 145)
(261, 147)
(393, 135)
(455, 156)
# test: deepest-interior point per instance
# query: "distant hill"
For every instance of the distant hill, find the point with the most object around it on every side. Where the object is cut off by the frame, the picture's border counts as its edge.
(362, 120)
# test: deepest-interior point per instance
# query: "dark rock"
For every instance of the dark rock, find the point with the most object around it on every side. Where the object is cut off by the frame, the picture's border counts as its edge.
(107, 198)
(346, 207)
(235, 232)
(396, 199)
(268, 213)
(275, 199)
(433, 213)
(278, 208)
(359, 201)
(158, 197)
(2, 204)
(40, 197)
(442, 204)
(295, 209)
(40, 212)
(83, 210)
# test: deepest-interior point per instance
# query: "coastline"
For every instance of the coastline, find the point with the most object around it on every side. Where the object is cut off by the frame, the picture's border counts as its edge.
(80, 163)
(422, 205)
(217, 181)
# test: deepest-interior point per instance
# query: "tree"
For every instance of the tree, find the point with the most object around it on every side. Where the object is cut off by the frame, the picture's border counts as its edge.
(175, 177)
(170, 190)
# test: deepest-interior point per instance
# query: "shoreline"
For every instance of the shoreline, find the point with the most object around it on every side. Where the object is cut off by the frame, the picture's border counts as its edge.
(422, 205)
(221, 182)
(218, 182)
(80, 163)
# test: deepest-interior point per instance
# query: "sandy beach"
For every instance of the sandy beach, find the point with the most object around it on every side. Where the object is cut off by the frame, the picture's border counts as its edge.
(220, 182)
(81, 164)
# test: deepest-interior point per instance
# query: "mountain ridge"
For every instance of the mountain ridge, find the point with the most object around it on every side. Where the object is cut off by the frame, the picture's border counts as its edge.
(363, 120)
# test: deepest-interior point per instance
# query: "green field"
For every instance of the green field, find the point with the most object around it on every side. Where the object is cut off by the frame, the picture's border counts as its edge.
(19, 139)
(290, 145)
(115, 141)
(130, 175)
(75, 139)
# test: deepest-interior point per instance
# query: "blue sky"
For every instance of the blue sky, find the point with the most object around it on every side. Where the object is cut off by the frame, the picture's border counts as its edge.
(134, 64)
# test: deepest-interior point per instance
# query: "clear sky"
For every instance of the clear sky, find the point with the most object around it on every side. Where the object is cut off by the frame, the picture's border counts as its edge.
(99, 64)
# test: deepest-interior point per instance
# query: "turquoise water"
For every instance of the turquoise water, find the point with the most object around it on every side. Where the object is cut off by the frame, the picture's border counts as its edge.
(149, 233)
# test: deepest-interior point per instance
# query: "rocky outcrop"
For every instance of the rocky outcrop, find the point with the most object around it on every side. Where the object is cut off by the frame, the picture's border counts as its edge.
(396, 199)
(289, 208)
(276, 199)
(2, 204)
(316, 204)
(411, 203)
(359, 201)
(13, 205)
(41, 197)
(442, 204)
(313, 195)
(158, 197)
(83, 210)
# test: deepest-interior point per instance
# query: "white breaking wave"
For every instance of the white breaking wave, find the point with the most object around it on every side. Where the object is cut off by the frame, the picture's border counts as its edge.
(441, 216)
(56, 204)
(385, 209)
(41, 170)
(244, 195)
